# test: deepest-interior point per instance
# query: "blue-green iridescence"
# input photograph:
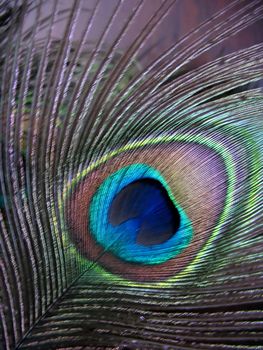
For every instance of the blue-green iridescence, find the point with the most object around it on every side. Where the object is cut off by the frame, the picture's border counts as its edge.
(121, 240)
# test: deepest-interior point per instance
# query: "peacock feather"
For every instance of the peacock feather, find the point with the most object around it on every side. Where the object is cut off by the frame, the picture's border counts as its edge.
(131, 206)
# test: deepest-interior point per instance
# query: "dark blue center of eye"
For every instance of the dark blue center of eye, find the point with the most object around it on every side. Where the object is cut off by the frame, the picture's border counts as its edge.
(147, 206)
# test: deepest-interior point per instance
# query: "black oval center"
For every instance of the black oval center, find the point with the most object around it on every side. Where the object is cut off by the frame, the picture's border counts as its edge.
(147, 202)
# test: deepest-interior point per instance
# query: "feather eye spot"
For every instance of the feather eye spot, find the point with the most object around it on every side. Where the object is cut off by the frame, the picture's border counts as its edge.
(134, 216)
(105, 229)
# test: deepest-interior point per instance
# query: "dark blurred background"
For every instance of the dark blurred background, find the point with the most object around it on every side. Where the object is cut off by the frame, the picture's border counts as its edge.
(184, 16)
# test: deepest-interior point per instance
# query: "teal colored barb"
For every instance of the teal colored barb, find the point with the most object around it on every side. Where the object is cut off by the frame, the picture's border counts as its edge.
(121, 240)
